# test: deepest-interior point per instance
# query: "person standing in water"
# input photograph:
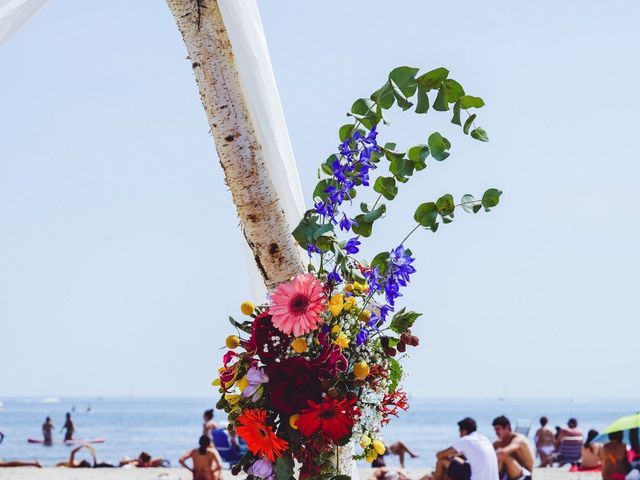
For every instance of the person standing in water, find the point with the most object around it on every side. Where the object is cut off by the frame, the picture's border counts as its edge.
(68, 426)
(207, 464)
(47, 432)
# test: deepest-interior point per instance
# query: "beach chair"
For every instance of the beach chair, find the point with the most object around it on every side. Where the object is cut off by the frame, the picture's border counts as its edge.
(569, 451)
(228, 452)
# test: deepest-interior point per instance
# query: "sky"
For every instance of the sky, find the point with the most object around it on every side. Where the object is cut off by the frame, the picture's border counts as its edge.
(120, 252)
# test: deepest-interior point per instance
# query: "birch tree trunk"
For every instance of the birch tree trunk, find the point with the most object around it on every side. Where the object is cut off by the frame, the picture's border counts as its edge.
(261, 215)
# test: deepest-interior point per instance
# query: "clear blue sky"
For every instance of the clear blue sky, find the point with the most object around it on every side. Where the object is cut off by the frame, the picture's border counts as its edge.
(120, 254)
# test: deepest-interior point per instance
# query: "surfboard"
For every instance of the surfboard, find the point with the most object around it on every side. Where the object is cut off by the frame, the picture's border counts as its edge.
(75, 441)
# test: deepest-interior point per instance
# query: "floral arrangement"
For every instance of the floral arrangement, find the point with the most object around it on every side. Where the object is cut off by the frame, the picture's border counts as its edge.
(318, 365)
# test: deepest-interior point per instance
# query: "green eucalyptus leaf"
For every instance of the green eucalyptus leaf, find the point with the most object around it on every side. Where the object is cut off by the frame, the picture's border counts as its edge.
(364, 111)
(423, 100)
(426, 214)
(284, 468)
(432, 79)
(386, 186)
(439, 146)
(365, 221)
(445, 205)
(468, 123)
(346, 131)
(321, 186)
(325, 242)
(441, 104)
(380, 261)
(418, 155)
(491, 198)
(401, 168)
(403, 103)
(479, 134)
(390, 152)
(468, 101)
(404, 79)
(454, 90)
(456, 114)
(469, 204)
(384, 96)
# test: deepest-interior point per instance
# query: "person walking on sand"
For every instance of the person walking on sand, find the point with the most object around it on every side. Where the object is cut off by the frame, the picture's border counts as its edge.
(47, 432)
(544, 439)
(209, 424)
(207, 464)
(69, 428)
(515, 454)
(479, 463)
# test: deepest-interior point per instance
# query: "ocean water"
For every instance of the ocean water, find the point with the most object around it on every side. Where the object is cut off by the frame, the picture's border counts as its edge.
(168, 427)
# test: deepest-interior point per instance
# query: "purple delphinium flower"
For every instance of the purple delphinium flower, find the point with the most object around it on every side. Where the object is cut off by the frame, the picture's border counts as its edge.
(346, 222)
(373, 278)
(334, 278)
(351, 247)
(312, 248)
(362, 336)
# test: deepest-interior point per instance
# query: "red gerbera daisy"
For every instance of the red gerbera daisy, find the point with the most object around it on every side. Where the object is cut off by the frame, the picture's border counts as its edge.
(333, 418)
(259, 436)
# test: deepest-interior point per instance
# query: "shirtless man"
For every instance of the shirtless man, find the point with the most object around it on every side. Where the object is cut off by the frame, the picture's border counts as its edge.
(544, 438)
(207, 464)
(515, 455)
(73, 463)
(570, 431)
(614, 458)
(144, 460)
(47, 431)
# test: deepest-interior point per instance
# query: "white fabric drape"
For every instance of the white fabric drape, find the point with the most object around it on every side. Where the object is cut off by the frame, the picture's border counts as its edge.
(244, 27)
(14, 13)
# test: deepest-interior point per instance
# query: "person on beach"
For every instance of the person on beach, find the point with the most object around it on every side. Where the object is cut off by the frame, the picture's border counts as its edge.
(545, 443)
(570, 431)
(397, 448)
(207, 464)
(19, 463)
(47, 431)
(1, 437)
(73, 463)
(209, 424)
(515, 454)
(144, 460)
(479, 462)
(590, 459)
(614, 458)
(69, 428)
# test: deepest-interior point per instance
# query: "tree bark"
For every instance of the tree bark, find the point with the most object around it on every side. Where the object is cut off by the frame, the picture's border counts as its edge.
(261, 215)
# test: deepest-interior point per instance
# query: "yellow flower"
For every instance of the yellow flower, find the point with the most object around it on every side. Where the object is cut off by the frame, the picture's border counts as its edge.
(349, 287)
(336, 329)
(365, 441)
(216, 382)
(335, 304)
(379, 447)
(293, 421)
(342, 341)
(232, 398)
(371, 456)
(361, 370)
(358, 287)
(349, 304)
(299, 345)
(365, 316)
(242, 383)
(247, 307)
(232, 341)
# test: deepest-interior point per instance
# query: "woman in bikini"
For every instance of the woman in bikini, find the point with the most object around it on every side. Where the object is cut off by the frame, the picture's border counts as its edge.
(207, 464)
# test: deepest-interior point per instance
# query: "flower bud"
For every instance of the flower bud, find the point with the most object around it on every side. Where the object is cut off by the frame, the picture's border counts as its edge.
(247, 307)
(232, 341)
(299, 345)
(379, 447)
(361, 370)
(365, 441)
(293, 421)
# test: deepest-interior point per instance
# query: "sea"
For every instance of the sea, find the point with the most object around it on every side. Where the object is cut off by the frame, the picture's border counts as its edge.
(168, 427)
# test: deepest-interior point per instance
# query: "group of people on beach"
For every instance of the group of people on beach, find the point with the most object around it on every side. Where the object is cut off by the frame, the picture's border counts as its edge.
(568, 445)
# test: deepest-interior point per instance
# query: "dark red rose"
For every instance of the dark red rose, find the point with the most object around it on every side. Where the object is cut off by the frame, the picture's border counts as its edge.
(266, 340)
(292, 382)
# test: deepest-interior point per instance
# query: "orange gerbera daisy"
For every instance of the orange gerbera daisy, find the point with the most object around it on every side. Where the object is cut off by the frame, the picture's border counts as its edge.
(259, 436)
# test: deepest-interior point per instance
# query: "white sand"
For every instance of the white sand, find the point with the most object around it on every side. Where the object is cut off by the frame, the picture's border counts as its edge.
(28, 473)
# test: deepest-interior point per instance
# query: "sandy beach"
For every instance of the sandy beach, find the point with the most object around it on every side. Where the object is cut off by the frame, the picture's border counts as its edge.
(182, 474)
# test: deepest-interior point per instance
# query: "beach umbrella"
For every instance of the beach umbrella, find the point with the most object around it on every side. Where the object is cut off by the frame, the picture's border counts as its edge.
(623, 424)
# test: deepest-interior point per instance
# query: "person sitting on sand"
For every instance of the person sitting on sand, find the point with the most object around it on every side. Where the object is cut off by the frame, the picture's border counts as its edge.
(384, 473)
(614, 458)
(207, 464)
(544, 439)
(515, 454)
(570, 431)
(209, 424)
(479, 462)
(47, 431)
(73, 463)
(144, 460)
(590, 458)
(397, 448)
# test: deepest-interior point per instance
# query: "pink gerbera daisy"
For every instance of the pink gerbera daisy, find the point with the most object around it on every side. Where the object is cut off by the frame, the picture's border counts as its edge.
(297, 305)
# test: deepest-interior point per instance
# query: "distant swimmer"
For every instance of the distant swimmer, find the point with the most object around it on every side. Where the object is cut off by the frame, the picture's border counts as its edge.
(47, 432)
(207, 464)
(69, 428)
(73, 463)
